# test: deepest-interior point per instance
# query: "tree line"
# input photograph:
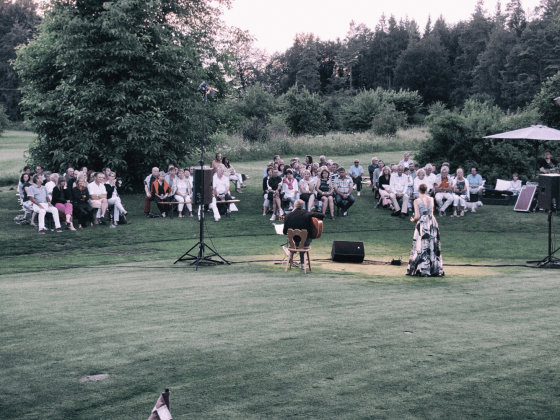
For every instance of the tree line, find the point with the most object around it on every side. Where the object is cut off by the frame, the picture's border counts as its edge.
(504, 56)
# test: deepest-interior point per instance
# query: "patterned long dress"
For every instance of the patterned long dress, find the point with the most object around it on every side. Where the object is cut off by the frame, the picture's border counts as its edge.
(425, 257)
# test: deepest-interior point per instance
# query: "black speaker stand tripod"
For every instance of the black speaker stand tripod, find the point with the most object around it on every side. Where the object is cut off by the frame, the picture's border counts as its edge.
(550, 260)
(202, 258)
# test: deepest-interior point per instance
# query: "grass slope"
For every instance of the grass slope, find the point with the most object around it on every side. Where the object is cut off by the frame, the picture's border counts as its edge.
(250, 342)
(13, 145)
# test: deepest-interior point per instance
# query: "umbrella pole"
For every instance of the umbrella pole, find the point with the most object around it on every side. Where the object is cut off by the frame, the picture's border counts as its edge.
(536, 156)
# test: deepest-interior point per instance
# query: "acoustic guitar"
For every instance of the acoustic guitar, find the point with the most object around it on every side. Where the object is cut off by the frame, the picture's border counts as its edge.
(316, 228)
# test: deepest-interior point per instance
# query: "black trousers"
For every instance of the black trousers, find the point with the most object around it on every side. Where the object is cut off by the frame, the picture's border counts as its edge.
(358, 182)
(84, 212)
(163, 208)
(222, 208)
(297, 240)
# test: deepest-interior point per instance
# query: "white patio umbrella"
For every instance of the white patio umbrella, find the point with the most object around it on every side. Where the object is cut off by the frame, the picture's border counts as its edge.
(537, 133)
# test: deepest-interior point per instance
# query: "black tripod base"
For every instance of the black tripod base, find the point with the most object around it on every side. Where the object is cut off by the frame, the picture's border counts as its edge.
(550, 261)
(200, 258)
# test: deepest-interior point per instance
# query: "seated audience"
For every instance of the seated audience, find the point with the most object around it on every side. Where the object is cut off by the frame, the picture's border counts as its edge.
(171, 176)
(372, 167)
(62, 199)
(41, 203)
(266, 202)
(216, 162)
(356, 171)
(91, 176)
(406, 161)
(148, 182)
(269, 165)
(315, 172)
(274, 189)
(375, 180)
(80, 196)
(308, 162)
(26, 203)
(183, 193)
(322, 161)
(98, 197)
(443, 187)
(460, 193)
(343, 187)
(39, 171)
(383, 185)
(430, 178)
(421, 174)
(547, 164)
(220, 183)
(160, 191)
(412, 171)
(515, 185)
(49, 183)
(290, 188)
(307, 189)
(475, 182)
(233, 176)
(399, 191)
(325, 192)
(113, 199)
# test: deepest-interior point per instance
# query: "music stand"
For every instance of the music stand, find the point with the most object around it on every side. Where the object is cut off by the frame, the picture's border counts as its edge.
(200, 258)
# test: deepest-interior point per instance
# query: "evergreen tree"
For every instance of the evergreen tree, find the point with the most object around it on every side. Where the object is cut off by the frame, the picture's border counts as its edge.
(548, 111)
(423, 68)
(307, 73)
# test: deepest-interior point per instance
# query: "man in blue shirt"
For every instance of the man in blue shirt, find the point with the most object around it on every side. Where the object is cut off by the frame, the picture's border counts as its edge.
(356, 173)
(475, 183)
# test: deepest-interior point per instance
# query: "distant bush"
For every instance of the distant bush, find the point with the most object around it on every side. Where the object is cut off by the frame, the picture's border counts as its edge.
(388, 122)
(303, 111)
(257, 103)
(255, 130)
(549, 113)
(359, 112)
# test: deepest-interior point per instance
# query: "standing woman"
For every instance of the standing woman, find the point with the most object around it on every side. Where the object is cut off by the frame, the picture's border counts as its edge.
(325, 192)
(425, 257)
(266, 202)
(62, 200)
(80, 196)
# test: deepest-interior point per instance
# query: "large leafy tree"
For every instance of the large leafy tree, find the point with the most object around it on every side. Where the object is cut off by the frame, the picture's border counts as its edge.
(18, 24)
(115, 83)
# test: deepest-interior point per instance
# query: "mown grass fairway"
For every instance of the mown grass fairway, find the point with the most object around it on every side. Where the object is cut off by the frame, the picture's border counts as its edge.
(248, 341)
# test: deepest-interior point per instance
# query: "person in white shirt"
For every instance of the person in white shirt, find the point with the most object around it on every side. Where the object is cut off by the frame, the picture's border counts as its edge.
(113, 198)
(399, 190)
(221, 192)
(183, 192)
(460, 193)
(290, 188)
(420, 179)
(42, 204)
(98, 197)
(356, 171)
(430, 178)
(51, 183)
(406, 161)
(515, 185)
(150, 179)
(171, 177)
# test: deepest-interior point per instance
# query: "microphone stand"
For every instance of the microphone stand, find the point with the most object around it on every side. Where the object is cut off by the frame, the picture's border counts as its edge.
(201, 259)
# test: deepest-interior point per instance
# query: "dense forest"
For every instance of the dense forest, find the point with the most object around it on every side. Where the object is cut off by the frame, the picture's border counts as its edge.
(504, 56)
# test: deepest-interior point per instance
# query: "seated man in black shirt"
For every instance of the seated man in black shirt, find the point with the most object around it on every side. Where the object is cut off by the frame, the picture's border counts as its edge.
(547, 164)
(301, 219)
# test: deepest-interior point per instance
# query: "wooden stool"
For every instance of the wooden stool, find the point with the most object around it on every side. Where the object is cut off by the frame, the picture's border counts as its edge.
(301, 248)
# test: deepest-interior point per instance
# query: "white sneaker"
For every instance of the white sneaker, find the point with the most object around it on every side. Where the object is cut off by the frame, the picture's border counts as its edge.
(281, 212)
(358, 193)
(273, 217)
(291, 207)
(473, 210)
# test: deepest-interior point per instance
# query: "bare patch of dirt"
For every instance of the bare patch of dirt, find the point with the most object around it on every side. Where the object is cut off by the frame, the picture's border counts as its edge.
(93, 378)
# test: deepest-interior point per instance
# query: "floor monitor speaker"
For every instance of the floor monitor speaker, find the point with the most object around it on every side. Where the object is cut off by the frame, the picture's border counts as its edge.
(549, 191)
(347, 251)
(203, 197)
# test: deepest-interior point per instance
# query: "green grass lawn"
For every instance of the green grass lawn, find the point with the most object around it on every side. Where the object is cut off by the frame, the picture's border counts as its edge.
(13, 145)
(248, 341)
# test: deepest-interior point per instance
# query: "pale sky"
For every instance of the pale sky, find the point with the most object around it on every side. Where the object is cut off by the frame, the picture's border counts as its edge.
(275, 24)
